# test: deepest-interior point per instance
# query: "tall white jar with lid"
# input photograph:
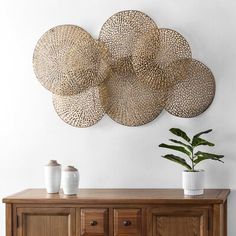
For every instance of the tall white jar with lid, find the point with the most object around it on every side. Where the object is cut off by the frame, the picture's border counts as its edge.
(52, 173)
(70, 180)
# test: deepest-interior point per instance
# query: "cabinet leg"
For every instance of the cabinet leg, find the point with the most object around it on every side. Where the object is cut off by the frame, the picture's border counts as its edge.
(220, 219)
(9, 220)
(225, 218)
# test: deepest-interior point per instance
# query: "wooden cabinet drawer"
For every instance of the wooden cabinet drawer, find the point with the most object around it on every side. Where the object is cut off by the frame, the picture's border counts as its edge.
(127, 222)
(94, 222)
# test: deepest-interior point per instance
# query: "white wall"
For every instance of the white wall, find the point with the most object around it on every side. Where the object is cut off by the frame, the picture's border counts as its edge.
(108, 154)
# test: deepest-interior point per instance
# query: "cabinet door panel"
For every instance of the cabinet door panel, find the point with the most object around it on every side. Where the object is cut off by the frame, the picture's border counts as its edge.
(127, 222)
(173, 221)
(46, 222)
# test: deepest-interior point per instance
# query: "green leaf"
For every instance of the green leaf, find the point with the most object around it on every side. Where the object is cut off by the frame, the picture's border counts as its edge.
(183, 144)
(203, 132)
(178, 160)
(176, 148)
(199, 141)
(180, 133)
(201, 156)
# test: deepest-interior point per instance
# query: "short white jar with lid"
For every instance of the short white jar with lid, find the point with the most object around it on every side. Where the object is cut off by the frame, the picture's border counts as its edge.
(70, 180)
(52, 173)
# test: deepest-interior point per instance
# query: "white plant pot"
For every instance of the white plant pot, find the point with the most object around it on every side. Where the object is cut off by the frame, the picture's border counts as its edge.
(193, 182)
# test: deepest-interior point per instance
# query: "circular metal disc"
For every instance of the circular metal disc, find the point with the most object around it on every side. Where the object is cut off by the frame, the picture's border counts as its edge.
(130, 102)
(83, 109)
(120, 33)
(68, 60)
(154, 51)
(195, 91)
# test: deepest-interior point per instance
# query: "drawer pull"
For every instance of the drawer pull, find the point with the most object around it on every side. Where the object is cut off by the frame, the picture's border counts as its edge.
(126, 222)
(93, 223)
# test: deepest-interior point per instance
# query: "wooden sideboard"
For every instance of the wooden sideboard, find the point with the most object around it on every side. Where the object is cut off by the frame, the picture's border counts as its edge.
(117, 212)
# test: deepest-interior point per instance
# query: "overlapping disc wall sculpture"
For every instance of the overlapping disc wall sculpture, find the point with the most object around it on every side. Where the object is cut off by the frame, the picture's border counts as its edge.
(132, 72)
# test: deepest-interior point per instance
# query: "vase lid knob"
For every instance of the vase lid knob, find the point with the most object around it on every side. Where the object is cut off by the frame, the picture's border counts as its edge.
(53, 163)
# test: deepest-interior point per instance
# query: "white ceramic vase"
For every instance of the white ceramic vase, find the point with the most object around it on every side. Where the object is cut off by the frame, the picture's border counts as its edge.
(193, 182)
(70, 180)
(52, 173)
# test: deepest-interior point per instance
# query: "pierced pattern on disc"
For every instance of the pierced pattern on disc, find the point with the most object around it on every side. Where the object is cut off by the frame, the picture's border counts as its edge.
(154, 51)
(83, 109)
(68, 60)
(196, 91)
(130, 102)
(120, 33)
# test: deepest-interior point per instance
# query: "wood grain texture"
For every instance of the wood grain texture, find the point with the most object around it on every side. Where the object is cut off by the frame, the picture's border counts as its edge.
(46, 222)
(172, 226)
(113, 196)
(78, 221)
(219, 219)
(182, 221)
(127, 222)
(9, 226)
(94, 222)
(225, 218)
(151, 212)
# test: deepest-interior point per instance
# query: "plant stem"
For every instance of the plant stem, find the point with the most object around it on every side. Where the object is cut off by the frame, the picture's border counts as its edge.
(192, 160)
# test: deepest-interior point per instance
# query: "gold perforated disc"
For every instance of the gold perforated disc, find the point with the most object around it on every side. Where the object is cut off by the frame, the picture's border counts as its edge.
(195, 91)
(120, 33)
(83, 109)
(130, 102)
(154, 51)
(68, 60)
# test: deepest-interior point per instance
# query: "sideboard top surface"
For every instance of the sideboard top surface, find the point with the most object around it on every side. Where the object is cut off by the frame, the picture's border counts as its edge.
(119, 196)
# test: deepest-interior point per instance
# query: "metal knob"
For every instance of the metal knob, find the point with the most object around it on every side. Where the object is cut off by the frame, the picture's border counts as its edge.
(93, 223)
(126, 222)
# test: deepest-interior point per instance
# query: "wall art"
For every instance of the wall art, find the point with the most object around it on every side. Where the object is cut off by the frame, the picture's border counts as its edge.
(196, 91)
(132, 72)
(67, 60)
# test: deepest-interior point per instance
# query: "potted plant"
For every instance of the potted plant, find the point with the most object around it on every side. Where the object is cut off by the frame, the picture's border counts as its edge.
(192, 178)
